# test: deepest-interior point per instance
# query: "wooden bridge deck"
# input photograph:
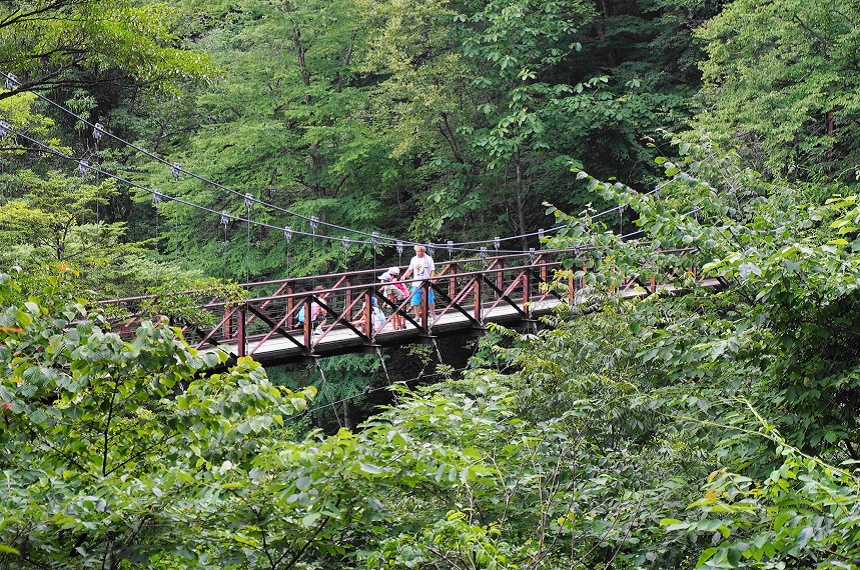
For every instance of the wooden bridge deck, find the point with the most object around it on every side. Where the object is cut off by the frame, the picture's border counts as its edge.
(342, 340)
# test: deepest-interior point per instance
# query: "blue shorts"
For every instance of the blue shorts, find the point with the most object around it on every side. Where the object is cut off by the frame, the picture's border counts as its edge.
(416, 296)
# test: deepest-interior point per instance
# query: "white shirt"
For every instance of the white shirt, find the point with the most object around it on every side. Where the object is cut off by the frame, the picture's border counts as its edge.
(421, 267)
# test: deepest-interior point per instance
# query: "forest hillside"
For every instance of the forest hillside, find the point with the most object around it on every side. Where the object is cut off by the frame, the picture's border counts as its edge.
(162, 146)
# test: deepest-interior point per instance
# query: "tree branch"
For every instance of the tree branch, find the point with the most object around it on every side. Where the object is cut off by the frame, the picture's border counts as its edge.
(815, 34)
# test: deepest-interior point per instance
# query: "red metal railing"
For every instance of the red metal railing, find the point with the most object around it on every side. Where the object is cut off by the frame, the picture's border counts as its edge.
(469, 293)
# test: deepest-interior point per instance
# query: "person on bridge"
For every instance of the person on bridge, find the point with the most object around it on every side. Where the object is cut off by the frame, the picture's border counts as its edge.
(318, 314)
(396, 293)
(377, 318)
(421, 268)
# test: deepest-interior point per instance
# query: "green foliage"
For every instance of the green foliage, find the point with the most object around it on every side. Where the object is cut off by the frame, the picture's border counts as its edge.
(342, 383)
(297, 143)
(428, 119)
(124, 451)
(57, 220)
(442, 119)
(607, 423)
(804, 511)
(774, 72)
(43, 40)
(180, 299)
(777, 343)
(792, 281)
(131, 453)
(468, 546)
(103, 435)
(17, 110)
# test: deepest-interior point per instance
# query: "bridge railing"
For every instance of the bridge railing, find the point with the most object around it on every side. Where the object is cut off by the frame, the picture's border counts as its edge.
(348, 309)
(469, 293)
(131, 309)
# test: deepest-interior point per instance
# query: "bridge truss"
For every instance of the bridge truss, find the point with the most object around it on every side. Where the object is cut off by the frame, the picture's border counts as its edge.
(508, 289)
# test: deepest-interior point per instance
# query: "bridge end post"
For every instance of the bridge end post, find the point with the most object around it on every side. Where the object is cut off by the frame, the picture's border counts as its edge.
(367, 315)
(525, 276)
(241, 346)
(228, 332)
(477, 291)
(500, 275)
(290, 301)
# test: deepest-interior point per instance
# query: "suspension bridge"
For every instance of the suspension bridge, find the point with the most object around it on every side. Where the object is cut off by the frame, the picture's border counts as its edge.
(512, 287)
(513, 290)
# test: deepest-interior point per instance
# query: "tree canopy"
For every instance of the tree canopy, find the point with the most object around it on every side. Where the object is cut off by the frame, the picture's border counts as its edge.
(711, 428)
(51, 43)
(781, 82)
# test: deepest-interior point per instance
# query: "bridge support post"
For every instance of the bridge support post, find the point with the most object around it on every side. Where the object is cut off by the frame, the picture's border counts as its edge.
(228, 332)
(367, 316)
(525, 277)
(241, 347)
(477, 290)
(290, 302)
(306, 325)
(500, 276)
(348, 301)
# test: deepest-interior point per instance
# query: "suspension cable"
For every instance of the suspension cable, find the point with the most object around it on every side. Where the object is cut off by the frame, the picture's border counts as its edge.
(99, 130)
